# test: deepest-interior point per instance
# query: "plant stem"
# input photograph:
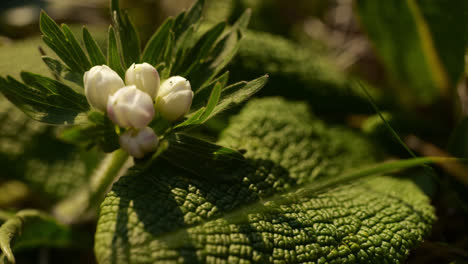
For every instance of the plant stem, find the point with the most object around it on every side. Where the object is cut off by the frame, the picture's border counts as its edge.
(79, 204)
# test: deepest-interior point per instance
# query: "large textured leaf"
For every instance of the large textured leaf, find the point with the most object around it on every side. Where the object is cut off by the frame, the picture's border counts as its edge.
(422, 43)
(166, 215)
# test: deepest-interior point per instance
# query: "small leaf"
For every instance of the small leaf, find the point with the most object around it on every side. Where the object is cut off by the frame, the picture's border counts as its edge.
(199, 51)
(99, 131)
(129, 40)
(202, 158)
(63, 44)
(45, 104)
(113, 57)
(201, 95)
(192, 120)
(212, 102)
(154, 52)
(238, 93)
(94, 52)
(187, 19)
(76, 49)
(61, 71)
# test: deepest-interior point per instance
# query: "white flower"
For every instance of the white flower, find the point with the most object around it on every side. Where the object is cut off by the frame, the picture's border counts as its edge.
(130, 108)
(145, 77)
(137, 143)
(99, 83)
(174, 98)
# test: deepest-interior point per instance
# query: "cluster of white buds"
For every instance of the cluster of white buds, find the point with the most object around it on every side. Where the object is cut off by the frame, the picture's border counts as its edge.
(130, 104)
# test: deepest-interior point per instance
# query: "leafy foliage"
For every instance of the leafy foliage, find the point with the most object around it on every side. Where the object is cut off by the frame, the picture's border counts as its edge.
(166, 215)
(411, 38)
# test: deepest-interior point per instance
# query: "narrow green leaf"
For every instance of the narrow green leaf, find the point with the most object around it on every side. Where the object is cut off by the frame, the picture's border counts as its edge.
(201, 95)
(50, 87)
(64, 44)
(127, 35)
(238, 93)
(113, 57)
(98, 131)
(154, 52)
(76, 49)
(187, 19)
(61, 71)
(202, 158)
(94, 52)
(212, 102)
(47, 106)
(192, 120)
(203, 47)
(415, 41)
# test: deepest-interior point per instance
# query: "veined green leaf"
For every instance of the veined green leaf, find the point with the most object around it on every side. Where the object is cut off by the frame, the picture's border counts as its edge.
(192, 120)
(129, 40)
(98, 131)
(113, 57)
(178, 217)
(61, 71)
(94, 52)
(157, 46)
(76, 49)
(200, 50)
(238, 93)
(212, 102)
(51, 87)
(412, 39)
(186, 19)
(201, 95)
(64, 44)
(45, 104)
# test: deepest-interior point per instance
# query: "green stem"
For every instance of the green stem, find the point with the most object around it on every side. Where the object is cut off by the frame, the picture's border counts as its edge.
(85, 200)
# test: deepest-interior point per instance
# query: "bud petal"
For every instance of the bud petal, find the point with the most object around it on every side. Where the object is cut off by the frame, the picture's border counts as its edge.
(174, 98)
(99, 83)
(130, 108)
(145, 77)
(139, 142)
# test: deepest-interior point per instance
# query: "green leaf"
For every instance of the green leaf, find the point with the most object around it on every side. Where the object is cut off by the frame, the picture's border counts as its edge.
(159, 43)
(45, 100)
(203, 159)
(31, 228)
(267, 214)
(186, 19)
(222, 53)
(194, 57)
(129, 40)
(212, 102)
(415, 41)
(113, 57)
(238, 93)
(61, 71)
(94, 52)
(64, 44)
(98, 131)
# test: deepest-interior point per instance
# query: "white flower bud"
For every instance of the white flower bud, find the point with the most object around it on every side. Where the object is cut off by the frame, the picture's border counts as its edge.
(130, 107)
(145, 77)
(137, 143)
(99, 83)
(174, 98)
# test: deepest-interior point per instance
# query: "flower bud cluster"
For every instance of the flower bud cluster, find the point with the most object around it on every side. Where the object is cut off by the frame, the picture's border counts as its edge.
(130, 104)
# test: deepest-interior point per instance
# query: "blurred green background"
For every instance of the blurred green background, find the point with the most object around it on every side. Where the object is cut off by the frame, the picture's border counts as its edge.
(313, 50)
